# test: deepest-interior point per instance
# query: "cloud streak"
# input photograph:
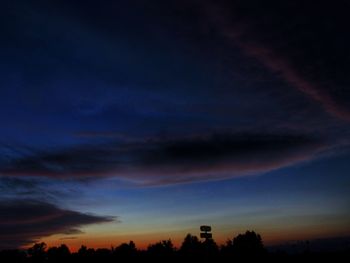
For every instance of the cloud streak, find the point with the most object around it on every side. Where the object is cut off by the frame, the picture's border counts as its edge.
(193, 158)
(244, 30)
(25, 221)
(279, 65)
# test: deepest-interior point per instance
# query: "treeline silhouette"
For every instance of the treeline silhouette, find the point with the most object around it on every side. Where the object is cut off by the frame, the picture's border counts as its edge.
(244, 247)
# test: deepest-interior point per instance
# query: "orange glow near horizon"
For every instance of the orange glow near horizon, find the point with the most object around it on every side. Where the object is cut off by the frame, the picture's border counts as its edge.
(271, 237)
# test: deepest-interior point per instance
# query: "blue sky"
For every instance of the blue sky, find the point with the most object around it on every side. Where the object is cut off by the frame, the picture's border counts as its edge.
(142, 120)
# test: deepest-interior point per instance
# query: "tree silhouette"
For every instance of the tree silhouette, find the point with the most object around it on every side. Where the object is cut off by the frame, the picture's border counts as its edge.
(242, 248)
(13, 255)
(103, 255)
(82, 251)
(191, 248)
(85, 254)
(195, 250)
(248, 245)
(37, 252)
(191, 245)
(164, 248)
(58, 254)
(210, 247)
(126, 250)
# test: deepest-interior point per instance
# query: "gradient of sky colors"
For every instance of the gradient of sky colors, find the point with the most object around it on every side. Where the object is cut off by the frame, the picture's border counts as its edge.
(144, 119)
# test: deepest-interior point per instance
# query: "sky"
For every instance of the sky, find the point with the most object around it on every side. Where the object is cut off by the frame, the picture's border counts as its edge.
(142, 120)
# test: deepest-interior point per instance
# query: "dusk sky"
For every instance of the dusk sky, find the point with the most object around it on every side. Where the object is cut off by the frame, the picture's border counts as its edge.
(144, 119)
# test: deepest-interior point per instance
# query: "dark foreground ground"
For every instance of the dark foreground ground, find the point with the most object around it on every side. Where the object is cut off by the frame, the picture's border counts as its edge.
(102, 255)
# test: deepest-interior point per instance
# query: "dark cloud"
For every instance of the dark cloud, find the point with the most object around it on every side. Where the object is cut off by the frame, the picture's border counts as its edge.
(192, 158)
(306, 44)
(25, 221)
